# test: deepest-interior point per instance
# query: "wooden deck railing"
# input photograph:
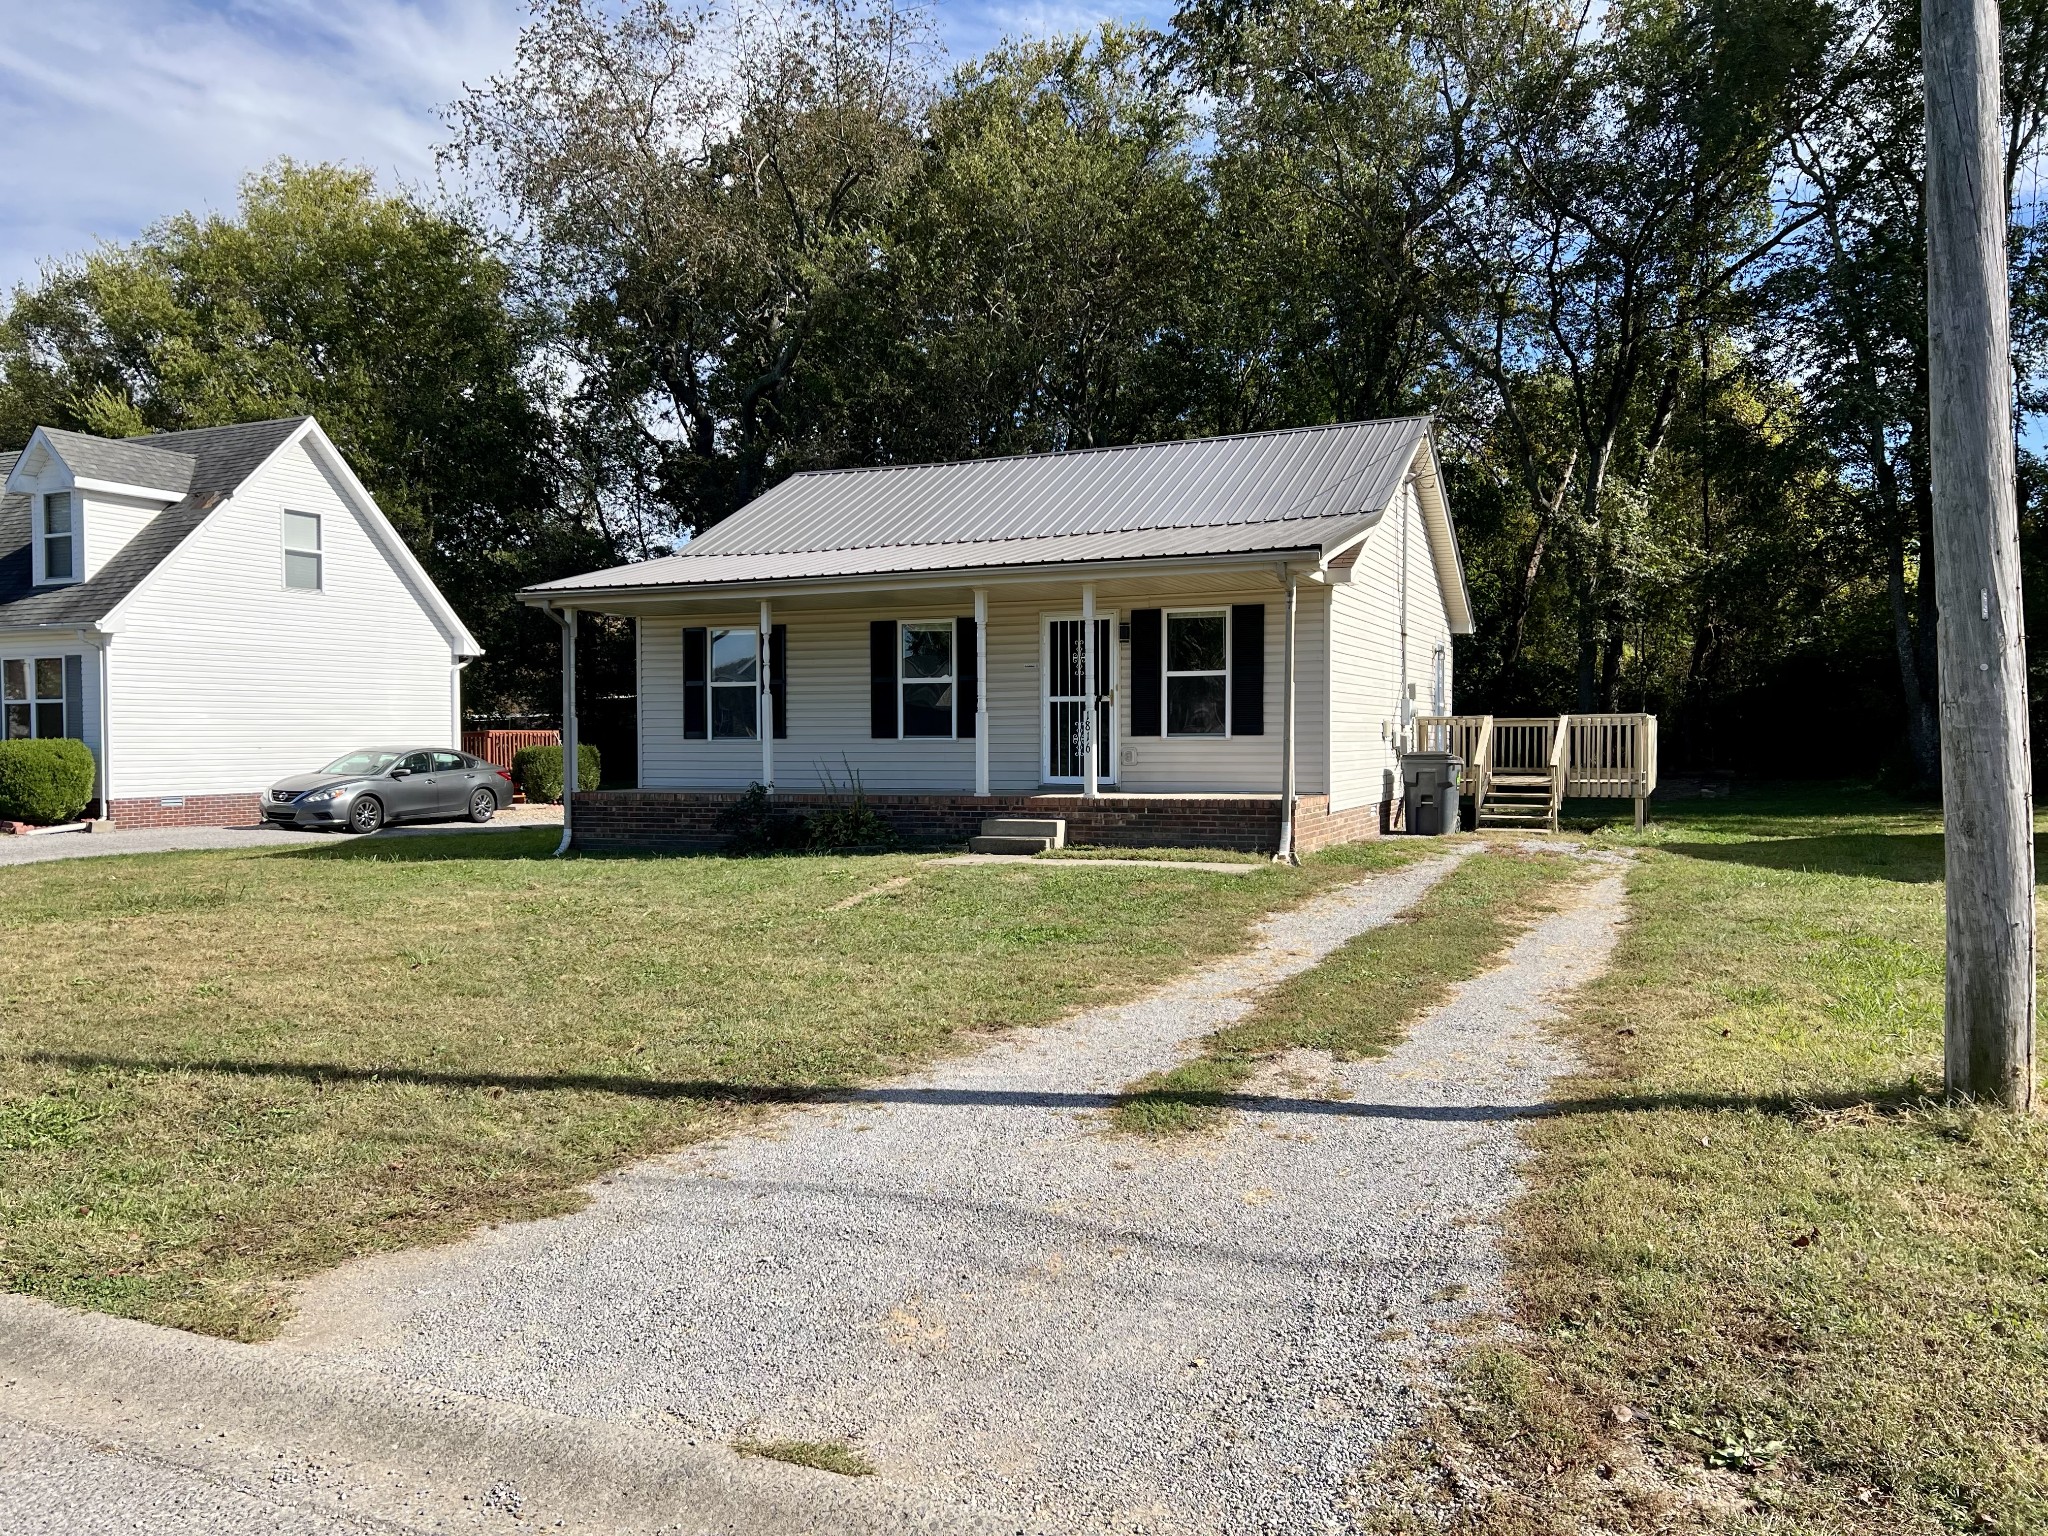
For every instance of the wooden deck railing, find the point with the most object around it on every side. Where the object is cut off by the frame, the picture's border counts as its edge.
(1607, 757)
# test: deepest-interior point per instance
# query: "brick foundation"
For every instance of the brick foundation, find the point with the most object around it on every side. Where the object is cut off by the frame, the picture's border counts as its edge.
(686, 821)
(195, 811)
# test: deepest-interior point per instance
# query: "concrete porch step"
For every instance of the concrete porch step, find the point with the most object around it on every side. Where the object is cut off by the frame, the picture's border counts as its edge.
(1052, 828)
(993, 843)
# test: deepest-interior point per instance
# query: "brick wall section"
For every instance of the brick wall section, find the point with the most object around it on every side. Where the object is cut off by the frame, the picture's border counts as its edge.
(684, 821)
(197, 811)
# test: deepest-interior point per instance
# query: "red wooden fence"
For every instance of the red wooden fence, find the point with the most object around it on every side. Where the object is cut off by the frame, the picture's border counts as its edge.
(499, 746)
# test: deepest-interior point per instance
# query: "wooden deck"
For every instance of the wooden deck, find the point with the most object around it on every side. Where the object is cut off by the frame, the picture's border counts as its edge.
(1520, 770)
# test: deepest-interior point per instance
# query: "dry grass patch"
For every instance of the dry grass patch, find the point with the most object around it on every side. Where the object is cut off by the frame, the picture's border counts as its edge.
(822, 1455)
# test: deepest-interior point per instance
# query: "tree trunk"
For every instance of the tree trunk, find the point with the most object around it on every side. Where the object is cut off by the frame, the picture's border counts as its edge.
(1923, 740)
(1986, 776)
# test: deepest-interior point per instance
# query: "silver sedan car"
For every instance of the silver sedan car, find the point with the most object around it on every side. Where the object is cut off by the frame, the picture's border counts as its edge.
(369, 789)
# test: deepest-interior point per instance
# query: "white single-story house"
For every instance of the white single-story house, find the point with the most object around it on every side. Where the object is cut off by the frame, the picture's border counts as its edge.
(210, 611)
(1264, 616)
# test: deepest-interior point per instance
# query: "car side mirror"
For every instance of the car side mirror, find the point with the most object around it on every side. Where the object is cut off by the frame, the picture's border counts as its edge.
(401, 773)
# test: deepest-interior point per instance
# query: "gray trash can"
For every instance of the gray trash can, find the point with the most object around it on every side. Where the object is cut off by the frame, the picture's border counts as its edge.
(1429, 781)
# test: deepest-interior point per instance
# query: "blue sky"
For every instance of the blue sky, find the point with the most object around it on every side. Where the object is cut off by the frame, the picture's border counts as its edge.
(119, 112)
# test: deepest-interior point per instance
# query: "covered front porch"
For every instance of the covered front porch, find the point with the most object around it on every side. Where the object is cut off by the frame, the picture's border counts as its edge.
(947, 704)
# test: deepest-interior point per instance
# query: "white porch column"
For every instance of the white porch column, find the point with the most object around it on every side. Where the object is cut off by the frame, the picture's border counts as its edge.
(981, 690)
(567, 619)
(1285, 853)
(764, 715)
(1090, 787)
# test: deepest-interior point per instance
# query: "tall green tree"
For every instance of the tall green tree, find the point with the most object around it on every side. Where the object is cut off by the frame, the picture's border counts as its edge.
(390, 321)
(700, 195)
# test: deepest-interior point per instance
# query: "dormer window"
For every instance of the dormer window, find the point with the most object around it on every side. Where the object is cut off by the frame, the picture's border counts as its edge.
(59, 540)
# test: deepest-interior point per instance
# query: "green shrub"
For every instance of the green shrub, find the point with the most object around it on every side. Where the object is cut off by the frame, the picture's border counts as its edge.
(538, 771)
(753, 824)
(852, 825)
(44, 781)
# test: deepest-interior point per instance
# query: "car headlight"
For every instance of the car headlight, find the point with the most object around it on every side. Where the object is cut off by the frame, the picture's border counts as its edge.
(339, 792)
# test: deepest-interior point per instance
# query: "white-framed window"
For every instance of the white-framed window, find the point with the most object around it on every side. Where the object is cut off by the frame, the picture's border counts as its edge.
(924, 676)
(1198, 672)
(32, 694)
(59, 537)
(735, 684)
(302, 555)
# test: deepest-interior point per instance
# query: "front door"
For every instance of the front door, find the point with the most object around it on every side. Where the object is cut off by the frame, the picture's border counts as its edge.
(1067, 697)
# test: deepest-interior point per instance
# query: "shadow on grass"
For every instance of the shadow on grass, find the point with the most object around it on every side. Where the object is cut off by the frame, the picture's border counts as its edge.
(1896, 1100)
(1912, 858)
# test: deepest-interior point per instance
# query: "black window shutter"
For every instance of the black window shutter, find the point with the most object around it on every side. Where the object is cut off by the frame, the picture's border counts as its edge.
(74, 697)
(1147, 670)
(966, 676)
(696, 684)
(882, 702)
(1248, 669)
(778, 678)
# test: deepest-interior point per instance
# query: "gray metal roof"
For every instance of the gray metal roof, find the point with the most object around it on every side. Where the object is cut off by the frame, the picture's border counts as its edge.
(221, 458)
(137, 461)
(1301, 488)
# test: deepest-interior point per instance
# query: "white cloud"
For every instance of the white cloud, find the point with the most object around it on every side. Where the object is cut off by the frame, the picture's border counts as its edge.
(120, 112)
(123, 111)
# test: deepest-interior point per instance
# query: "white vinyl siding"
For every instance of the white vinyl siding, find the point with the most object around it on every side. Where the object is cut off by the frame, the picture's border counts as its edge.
(1366, 679)
(223, 680)
(828, 692)
(108, 522)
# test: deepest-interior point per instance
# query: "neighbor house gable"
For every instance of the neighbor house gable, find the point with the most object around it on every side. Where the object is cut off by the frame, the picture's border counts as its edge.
(309, 440)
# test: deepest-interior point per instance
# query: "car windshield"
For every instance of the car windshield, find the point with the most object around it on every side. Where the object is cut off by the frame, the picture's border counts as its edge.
(362, 762)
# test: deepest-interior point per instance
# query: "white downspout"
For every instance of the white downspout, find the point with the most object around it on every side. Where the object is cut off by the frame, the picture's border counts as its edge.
(981, 690)
(1091, 787)
(105, 788)
(566, 617)
(455, 670)
(1285, 853)
(765, 715)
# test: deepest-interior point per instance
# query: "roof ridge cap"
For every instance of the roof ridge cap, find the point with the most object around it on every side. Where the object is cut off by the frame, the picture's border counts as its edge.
(1075, 453)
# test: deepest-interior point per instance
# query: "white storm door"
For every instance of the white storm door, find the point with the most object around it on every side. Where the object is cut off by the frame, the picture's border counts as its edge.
(1066, 699)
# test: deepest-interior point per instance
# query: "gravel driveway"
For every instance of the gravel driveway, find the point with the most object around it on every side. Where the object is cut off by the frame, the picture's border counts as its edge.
(1009, 1310)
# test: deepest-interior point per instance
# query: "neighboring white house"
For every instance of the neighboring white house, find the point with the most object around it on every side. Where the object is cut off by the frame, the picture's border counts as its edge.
(212, 610)
(923, 626)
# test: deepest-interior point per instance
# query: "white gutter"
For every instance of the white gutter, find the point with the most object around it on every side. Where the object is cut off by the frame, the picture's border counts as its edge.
(780, 588)
(981, 690)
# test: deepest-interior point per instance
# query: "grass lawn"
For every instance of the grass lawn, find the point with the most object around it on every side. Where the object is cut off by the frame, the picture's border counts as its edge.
(220, 1071)
(1360, 1001)
(1770, 1283)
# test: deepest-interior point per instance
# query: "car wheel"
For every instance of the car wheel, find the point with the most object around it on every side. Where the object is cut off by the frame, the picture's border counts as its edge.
(483, 805)
(366, 815)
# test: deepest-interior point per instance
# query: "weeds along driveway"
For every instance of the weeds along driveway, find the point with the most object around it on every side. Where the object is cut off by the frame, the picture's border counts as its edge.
(1005, 1308)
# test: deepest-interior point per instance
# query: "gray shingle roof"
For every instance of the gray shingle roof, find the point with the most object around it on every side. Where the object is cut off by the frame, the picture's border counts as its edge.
(1301, 488)
(138, 461)
(221, 458)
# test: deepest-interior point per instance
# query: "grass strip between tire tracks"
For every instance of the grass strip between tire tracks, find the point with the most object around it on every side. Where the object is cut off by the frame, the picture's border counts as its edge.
(820, 1455)
(1360, 1001)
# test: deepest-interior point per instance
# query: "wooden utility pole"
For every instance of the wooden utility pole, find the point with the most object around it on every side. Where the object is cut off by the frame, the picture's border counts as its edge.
(1986, 778)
